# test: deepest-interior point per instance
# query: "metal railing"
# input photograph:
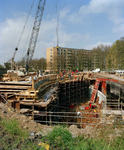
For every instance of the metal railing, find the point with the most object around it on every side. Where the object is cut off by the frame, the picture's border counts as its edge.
(81, 119)
(114, 104)
(92, 117)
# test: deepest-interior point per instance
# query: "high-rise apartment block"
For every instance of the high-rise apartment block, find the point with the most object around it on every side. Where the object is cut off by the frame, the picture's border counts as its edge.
(67, 59)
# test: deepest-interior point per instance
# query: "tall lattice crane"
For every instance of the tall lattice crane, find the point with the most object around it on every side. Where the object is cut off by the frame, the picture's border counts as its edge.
(34, 34)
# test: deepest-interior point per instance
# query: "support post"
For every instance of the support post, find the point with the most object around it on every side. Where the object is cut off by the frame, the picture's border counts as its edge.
(50, 118)
(119, 97)
(81, 120)
(32, 82)
(33, 110)
(46, 115)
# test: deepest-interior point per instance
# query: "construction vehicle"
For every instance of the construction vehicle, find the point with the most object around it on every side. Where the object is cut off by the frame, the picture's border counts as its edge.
(34, 34)
(33, 38)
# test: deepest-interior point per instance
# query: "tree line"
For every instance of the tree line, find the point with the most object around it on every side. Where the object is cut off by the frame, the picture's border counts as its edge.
(36, 64)
(115, 57)
(103, 56)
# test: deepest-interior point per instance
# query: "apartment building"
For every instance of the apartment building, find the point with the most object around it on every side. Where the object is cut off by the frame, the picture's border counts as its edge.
(67, 59)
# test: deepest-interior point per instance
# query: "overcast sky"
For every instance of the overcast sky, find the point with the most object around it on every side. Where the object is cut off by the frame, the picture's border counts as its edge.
(82, 24)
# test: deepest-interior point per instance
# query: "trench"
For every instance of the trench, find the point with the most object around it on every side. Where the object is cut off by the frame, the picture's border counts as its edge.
(64, 101)
(72, 97)
(70, 94)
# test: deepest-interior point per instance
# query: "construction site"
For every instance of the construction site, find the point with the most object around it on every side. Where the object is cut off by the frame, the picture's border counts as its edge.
(73, 98)
(85, 99)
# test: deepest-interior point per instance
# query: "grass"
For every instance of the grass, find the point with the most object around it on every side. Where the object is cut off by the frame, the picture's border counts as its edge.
(13, 128)
(59, 138)
(14, 134)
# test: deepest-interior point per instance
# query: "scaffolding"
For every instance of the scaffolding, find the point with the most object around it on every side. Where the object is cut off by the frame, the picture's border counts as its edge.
(72, 92)
(115, 95)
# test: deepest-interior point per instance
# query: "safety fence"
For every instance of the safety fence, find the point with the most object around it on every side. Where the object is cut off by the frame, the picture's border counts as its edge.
(114, 104)
(89, 136)
(81, 119)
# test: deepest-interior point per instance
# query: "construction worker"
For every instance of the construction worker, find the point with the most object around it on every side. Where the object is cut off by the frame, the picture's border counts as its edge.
(69, 76)
(77, 71)
(75, 77)
(72, 72)
(61, 76)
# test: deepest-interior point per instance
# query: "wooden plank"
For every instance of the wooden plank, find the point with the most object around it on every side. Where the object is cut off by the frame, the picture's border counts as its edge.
(8, 90)
(8, 95)
(17, 105)
(15, 83)
(13, 100)
(25, 96)
(24, 110)
(14, 87)
(23, 79)
(29, 101)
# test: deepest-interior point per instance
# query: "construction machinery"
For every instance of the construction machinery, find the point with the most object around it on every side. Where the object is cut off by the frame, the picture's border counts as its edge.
(33, 38)
(34, 34)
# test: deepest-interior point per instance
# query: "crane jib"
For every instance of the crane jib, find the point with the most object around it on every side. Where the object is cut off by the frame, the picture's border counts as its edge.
(35, 31)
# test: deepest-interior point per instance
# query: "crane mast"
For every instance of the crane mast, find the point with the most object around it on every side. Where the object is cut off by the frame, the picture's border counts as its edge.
(34, 34)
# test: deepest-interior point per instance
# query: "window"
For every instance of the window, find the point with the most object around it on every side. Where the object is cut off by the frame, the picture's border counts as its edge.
(51, 52)
(51, 49)
(51, 56)
(51, 59)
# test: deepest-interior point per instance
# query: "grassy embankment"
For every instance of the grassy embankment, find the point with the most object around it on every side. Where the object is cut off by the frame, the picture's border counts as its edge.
(58, 138)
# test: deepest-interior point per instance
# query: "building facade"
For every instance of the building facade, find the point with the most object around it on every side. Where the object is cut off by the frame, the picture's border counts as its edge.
(68, 59)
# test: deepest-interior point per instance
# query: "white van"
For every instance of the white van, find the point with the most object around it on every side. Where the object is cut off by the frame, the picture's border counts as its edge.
(96, 70)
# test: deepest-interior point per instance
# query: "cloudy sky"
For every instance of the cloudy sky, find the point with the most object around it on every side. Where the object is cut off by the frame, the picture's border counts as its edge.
(82, 24)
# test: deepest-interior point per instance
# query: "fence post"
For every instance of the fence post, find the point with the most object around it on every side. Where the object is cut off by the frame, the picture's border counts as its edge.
(50, 118)
(33, 110)
(114, 122)
(81, 120)
(46, 115)
(118, 104)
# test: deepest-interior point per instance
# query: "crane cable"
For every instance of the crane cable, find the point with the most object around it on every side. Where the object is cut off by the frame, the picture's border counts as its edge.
(23, 29)
(57, 24)
(25, 24)
(27, 39)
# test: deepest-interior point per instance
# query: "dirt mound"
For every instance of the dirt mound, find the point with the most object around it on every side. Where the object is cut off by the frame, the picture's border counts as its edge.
(25, 121)
(32, 126)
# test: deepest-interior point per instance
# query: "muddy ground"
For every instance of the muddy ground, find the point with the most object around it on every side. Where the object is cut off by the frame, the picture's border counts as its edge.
(41, 130)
